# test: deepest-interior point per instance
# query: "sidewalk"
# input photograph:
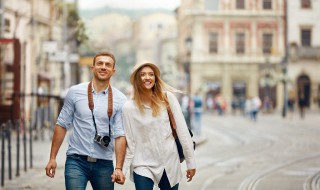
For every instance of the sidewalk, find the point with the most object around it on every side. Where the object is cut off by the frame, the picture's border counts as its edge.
(36, 179)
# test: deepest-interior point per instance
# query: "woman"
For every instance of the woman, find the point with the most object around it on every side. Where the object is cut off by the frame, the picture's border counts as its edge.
(152, 155)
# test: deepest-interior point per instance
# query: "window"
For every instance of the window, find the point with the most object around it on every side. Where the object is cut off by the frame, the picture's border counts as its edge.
(306, 37)
(213, 42)
(212, 5)
(267, 4)
(305, 4)
(267, 43)
(240, 43)
(240, 4)
(6, 25)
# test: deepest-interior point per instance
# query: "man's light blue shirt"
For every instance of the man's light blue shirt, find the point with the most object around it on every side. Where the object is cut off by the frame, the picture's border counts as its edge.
(77, 115)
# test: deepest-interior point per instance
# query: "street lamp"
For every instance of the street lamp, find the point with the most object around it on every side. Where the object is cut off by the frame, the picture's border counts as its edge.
(188, 45)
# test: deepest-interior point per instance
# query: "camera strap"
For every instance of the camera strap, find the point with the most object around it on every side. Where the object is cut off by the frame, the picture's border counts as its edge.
(91, 105)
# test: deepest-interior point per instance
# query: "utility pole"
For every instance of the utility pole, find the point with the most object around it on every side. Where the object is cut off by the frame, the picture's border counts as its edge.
(188, 44)
(1, 36)
(1, 19)
(66, 63)
(285, 60)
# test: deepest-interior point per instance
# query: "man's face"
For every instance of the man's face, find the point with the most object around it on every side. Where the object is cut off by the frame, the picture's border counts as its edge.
(103, 68)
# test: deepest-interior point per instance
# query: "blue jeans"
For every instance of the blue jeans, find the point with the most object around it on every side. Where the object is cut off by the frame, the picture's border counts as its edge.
(144, 183)
(78, 171)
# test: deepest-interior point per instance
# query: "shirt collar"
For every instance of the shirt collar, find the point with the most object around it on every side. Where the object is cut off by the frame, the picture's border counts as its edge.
(104, 91)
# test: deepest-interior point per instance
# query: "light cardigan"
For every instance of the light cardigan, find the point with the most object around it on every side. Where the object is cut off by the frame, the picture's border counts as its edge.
(151, 148)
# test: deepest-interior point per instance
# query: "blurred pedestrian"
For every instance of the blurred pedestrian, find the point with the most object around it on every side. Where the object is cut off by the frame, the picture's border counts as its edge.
(220, 104)
(209, 103)
(242, 102)
(302, 102)
(248, 107)
(234, 105)
(255, 107)
(291, 102)
(197, 110)
(92, 144)
(152, 155)
(185, 106)
(267, 104)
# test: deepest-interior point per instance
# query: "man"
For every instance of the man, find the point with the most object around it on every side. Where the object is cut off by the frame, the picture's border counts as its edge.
(85, 109)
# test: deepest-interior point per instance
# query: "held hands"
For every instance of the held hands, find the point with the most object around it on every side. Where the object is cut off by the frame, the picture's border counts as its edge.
(190, 174)
(51, 168)
(118, 176)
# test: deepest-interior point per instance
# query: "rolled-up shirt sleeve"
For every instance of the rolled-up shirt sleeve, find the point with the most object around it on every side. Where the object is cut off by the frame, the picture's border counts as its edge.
(67, 112)
(117, 120)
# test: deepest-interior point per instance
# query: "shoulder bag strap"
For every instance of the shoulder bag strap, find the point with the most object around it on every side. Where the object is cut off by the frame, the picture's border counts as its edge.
(171, 118)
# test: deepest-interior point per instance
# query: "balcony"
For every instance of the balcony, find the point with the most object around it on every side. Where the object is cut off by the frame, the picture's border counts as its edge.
(304, 53)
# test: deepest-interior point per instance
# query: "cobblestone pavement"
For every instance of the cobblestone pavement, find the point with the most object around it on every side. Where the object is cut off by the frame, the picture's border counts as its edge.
(210, 168)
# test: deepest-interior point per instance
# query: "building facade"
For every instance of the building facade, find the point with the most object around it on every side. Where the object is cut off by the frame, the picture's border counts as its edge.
(40, 28)
(237, 47)
(304, 43)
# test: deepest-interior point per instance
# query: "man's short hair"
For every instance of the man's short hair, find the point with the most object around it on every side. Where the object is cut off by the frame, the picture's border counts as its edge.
(105, 53)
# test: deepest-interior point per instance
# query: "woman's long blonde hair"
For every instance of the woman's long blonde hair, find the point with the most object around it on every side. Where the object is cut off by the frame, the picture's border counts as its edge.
(158, 97)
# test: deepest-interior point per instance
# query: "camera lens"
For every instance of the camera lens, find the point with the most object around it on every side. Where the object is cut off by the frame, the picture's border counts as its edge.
(106, 139)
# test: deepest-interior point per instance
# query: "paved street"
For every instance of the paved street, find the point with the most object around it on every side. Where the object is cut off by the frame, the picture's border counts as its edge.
(272, 153)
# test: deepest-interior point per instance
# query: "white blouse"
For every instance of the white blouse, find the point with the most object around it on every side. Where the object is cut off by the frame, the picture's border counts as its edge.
(151, 148)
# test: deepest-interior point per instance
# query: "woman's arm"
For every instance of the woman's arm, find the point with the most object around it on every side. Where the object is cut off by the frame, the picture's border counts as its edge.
(182, 131)
(129, 138)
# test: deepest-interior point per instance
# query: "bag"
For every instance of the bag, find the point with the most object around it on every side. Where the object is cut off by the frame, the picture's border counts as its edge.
(174, 133)
(179, 147)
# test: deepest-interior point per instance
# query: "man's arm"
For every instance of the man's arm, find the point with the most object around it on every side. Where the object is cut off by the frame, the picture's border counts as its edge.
(120, 151)
(58, 136)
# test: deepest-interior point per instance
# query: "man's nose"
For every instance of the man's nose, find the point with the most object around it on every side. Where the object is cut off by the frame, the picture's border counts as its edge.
(103, 66)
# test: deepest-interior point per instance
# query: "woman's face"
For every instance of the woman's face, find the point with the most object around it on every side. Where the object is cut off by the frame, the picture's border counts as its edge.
(147, 78)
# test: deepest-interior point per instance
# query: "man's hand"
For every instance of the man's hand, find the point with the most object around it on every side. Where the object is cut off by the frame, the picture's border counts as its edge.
(118, 176)
(190, 174)
(51, 168)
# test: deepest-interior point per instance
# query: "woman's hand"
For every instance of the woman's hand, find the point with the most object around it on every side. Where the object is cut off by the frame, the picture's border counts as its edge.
(190, 174)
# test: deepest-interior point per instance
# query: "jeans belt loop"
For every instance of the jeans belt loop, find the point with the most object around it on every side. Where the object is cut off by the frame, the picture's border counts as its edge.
(90, 159)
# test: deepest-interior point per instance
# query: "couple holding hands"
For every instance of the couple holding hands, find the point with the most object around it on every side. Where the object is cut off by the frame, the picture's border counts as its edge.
(137, 131)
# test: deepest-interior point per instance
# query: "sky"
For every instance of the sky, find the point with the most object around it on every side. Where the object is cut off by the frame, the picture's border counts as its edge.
(129, 4)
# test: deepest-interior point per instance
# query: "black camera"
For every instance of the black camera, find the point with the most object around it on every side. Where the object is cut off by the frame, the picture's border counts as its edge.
(102, 140)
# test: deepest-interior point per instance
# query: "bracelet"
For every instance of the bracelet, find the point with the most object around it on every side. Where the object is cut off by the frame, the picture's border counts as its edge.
(118, 169)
